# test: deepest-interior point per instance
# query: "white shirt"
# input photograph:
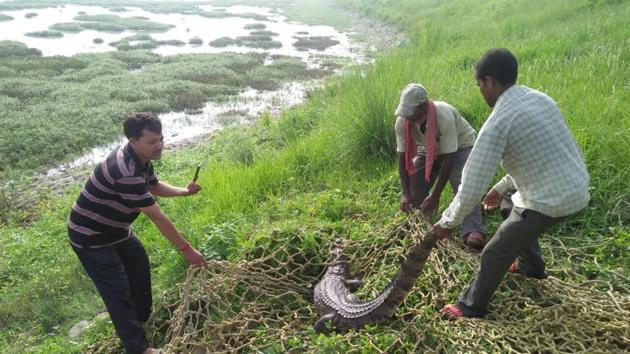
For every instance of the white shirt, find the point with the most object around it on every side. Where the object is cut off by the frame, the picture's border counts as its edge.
(528, 134)
(453, 131)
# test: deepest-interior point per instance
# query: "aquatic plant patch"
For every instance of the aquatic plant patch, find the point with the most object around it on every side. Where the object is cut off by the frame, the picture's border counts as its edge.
(263, 41)
(118, 9)
(314, 42)
(195, 41)
(126, 23)
(100, 89)
(45, 34)
(171, 42)
(263, 33)
(255, 26)
(17, 49)
(67, 27)
(221, 42)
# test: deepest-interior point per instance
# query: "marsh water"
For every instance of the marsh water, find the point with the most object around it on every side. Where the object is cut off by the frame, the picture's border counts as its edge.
(184, 28)
(182, 126)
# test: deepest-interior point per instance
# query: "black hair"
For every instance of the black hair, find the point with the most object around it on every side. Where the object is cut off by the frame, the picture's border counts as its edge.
(137, 122)
(498, 63)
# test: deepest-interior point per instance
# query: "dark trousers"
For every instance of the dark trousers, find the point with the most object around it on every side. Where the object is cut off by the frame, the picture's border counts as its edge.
(122, 275)
(419, 189)
(517, 237)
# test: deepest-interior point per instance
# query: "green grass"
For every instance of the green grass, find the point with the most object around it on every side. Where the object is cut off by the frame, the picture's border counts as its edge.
(321, 163)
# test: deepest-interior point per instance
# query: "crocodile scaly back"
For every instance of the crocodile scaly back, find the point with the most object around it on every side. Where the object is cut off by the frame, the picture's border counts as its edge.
(336, 302)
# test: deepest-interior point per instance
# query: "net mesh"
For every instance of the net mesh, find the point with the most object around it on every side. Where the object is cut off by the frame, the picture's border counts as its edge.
(262, 304)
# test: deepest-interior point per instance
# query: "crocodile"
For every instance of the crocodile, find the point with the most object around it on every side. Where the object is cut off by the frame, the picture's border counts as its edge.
(337, 304)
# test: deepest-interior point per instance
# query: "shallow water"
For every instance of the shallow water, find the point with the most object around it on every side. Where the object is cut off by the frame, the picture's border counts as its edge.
(182, 126)
(186, 27)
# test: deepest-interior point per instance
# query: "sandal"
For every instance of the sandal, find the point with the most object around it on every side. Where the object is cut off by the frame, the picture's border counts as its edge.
(514, 269)
(451, 312)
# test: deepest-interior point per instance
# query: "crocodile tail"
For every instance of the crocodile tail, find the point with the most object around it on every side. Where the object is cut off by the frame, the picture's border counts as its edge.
(404, 280)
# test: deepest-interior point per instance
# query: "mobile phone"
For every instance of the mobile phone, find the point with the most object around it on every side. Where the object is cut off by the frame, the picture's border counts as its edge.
(197, 173)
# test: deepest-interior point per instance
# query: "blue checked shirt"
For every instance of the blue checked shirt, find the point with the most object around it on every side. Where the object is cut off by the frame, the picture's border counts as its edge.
(527, 134)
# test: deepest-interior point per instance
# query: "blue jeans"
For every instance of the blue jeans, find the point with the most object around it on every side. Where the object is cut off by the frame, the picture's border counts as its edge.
(122, 275)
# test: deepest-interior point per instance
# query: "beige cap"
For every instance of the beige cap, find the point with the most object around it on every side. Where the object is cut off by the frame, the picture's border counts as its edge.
(411, 97)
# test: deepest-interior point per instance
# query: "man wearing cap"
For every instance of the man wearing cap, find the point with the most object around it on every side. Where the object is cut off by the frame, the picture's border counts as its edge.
(433, 142)
(527, 134)
(120, 188)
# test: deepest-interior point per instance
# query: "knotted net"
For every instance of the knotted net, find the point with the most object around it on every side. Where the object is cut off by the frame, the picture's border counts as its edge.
(263, 304)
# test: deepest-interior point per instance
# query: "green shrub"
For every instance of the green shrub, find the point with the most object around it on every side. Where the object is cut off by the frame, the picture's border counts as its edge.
(18, 49)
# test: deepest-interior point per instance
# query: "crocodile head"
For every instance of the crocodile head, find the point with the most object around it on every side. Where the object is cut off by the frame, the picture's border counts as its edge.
(340, 266)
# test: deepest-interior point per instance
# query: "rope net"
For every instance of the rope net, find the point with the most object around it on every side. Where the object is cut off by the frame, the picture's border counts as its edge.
(263, 304)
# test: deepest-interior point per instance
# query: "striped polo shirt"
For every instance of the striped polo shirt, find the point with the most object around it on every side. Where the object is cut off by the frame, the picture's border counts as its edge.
(110, 199)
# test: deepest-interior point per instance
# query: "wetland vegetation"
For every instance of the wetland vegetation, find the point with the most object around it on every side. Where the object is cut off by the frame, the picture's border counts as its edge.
(322, 170)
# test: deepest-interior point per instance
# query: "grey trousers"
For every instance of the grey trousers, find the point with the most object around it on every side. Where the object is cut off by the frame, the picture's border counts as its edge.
(420, 189)
(517, 237)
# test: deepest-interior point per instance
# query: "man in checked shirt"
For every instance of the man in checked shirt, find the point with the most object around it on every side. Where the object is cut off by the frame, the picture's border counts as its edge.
(544, 168)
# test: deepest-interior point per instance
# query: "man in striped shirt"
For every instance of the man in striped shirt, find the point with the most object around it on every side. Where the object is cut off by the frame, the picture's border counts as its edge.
(544, 168)
(118, 190)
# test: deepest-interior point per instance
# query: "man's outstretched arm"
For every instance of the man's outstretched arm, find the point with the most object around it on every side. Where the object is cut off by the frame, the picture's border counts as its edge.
(166, 227)
(162, 189)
